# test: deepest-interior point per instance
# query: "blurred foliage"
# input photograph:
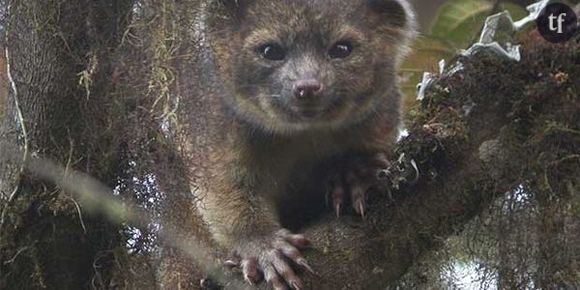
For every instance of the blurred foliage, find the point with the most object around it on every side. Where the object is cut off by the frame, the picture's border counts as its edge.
(457, 25)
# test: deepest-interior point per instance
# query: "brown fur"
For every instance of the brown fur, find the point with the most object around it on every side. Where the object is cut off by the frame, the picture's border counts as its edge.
(250, 152)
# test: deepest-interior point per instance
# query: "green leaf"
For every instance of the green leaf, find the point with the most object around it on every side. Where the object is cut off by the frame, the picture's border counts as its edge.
(457, 25)
(460, 21)
(516, 11)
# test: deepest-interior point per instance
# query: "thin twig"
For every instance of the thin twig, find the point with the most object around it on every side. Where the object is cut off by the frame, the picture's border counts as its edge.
(66, 172)
(16, 255)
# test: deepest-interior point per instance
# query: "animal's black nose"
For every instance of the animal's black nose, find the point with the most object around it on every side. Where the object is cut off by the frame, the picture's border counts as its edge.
(307, 89)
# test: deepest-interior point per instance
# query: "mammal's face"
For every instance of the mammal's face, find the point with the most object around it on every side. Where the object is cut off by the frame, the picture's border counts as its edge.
(303, 64)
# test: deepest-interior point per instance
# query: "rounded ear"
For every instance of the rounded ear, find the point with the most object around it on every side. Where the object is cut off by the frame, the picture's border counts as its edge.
(395, 12)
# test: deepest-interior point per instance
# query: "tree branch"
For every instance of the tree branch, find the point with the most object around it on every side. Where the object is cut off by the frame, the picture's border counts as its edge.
(471, 142)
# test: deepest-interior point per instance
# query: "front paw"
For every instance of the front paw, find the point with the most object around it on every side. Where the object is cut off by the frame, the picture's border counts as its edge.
(270, 258)
(352, 178)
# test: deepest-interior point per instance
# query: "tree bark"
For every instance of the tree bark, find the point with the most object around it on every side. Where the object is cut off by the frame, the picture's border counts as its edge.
(60, 56)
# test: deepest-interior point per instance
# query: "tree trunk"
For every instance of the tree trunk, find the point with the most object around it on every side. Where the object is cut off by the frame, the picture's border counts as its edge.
(60, 56)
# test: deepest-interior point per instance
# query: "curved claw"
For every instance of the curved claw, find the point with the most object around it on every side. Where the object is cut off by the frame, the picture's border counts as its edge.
(354, 180)
(271, 260)
(359, 207)
(230, 264)
(272, 278)
(302, 262)
(296, 240)
(337, 195)
(284, 270)
(250, 271)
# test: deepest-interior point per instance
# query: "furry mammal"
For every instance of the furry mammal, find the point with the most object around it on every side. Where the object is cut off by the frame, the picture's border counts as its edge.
(282, 87)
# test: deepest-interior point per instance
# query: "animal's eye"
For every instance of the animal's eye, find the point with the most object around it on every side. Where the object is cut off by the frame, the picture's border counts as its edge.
(341, 49)
(271, 51)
